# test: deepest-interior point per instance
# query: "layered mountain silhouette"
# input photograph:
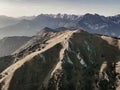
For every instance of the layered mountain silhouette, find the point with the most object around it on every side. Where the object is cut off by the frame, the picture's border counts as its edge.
(10, 44)
(7, 21)
(92, 23)
(66, 60)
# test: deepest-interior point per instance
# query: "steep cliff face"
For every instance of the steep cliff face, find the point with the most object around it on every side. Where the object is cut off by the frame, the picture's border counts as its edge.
(68, 60)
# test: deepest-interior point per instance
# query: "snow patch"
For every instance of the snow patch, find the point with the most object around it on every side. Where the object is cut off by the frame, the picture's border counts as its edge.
(43, 57)
(78, 56)
(88, 47)
(69, 60)
(68, 47)
(83, 62)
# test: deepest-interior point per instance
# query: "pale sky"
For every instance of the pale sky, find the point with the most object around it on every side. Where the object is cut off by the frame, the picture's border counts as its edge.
(16, 8)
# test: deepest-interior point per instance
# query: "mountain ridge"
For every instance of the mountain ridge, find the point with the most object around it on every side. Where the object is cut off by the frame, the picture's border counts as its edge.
(92, 23)
(9, 44)
(67, 60)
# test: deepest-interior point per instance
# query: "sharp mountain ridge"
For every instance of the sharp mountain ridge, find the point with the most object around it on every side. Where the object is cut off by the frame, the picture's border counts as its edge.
(66, 60)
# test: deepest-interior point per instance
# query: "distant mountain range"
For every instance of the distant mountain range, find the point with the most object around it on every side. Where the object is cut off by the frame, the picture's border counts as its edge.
(92, 23)
(7, 21)
(9, 44)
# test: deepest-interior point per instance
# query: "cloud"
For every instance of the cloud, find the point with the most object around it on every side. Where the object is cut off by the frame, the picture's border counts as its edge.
(65, 1)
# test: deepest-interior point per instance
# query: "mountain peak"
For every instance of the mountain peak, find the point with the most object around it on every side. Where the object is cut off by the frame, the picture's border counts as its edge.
(47, 29)
(91, 15)
(65, 60)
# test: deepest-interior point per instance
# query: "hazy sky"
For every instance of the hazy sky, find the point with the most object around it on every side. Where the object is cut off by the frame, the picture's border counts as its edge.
(18, 8)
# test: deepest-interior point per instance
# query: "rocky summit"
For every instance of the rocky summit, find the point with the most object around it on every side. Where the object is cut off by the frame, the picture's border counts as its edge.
(66, 60)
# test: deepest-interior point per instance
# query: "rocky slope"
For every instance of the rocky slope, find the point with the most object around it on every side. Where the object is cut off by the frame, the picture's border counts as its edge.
(68, 60)
(9, 44)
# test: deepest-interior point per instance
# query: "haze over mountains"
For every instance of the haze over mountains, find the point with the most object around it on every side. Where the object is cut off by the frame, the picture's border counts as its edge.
(7, 21)
(92, 23)
(8, 45)
(65, 52)
(66, 60)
